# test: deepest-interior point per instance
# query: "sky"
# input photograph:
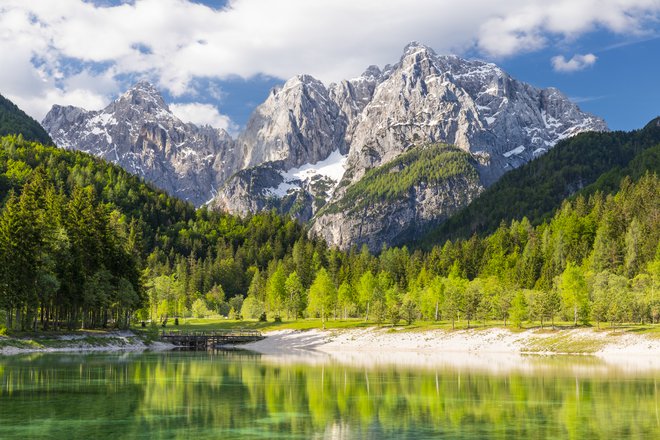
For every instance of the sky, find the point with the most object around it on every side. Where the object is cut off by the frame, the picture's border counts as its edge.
(215, 61)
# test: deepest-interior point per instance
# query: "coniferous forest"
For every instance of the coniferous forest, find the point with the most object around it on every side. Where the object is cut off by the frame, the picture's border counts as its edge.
(85, 244)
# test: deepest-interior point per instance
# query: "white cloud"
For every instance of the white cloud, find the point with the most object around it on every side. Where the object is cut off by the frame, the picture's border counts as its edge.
(203, 114)
(176, 41)
(578, 62)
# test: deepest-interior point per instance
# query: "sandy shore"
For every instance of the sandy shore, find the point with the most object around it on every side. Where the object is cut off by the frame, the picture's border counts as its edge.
(494, 349)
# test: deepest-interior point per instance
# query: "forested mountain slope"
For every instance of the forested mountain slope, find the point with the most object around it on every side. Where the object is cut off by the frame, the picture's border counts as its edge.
(585, 163)
(14, 121)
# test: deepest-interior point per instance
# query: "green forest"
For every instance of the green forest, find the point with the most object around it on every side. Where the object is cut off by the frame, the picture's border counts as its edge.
(85, 244)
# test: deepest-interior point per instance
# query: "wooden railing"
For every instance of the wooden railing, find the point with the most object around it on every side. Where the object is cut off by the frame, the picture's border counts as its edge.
(211, 333)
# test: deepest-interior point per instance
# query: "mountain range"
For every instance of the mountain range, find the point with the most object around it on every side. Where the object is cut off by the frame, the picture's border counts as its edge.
(369, 160)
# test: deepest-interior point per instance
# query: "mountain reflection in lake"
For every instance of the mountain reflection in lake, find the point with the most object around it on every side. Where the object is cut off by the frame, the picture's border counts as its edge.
(199, 395)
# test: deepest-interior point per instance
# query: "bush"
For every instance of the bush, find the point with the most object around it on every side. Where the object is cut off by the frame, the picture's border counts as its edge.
(252, 308)
(199, 309)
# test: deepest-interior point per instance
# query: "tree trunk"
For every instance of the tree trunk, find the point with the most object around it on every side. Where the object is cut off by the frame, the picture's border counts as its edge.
(437, 305)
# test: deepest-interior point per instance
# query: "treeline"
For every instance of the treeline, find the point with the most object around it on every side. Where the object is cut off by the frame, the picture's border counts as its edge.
(583, 164)
(597, 260)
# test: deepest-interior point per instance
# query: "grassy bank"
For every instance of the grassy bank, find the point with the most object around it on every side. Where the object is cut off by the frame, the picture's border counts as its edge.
(208, 324)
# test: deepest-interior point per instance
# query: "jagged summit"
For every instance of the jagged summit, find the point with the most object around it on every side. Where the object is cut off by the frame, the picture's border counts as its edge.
(414, 47)
(141, 98)
(371, 72)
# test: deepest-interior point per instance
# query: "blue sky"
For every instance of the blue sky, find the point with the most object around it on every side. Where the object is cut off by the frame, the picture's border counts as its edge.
(215, 61)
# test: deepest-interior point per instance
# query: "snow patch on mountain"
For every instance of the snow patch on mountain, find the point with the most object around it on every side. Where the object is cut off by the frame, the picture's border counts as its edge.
(332, 168)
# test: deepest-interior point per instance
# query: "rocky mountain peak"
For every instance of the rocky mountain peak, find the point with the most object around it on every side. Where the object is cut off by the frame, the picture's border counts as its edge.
(298, 123)
(415, 47)
(141, 98)
(419, 61)
(372, 72)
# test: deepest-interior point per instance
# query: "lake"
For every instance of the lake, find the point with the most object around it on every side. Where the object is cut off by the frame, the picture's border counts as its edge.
(232, 395)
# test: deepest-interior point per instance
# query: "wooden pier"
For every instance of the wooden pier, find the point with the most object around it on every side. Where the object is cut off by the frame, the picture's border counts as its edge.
(204, 340)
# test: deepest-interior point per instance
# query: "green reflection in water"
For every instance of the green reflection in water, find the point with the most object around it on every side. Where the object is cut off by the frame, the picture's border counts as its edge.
(238, 395)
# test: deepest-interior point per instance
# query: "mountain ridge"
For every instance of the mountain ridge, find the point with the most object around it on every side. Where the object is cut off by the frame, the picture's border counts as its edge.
(363, 123)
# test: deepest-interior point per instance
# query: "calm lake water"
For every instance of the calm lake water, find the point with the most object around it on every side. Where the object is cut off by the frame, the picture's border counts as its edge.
(187, 395)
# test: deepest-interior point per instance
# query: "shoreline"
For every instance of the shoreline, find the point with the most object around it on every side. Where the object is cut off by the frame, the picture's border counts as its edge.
(493, 349)
(111, 341)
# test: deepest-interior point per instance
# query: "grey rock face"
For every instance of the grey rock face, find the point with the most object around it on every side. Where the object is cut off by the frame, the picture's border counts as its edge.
(393, 222)
(139, 132)
(246, 193)
(298, 123)
(471, 104)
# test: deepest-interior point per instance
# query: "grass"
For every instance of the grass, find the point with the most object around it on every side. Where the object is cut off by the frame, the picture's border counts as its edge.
(564, 343)
(218, 323)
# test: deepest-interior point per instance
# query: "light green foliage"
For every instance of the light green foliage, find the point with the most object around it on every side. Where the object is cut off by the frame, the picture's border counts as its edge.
(365, 291)
(346, 298)
(432, 298)
(575, 294)
(199, 309)
(518, 308)
(393, 299)
(454, 301)
(296, 298)
(252, 308)
(276, 292)
(215, 297)
(474, 294)
(235, 307)
(322, 296)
